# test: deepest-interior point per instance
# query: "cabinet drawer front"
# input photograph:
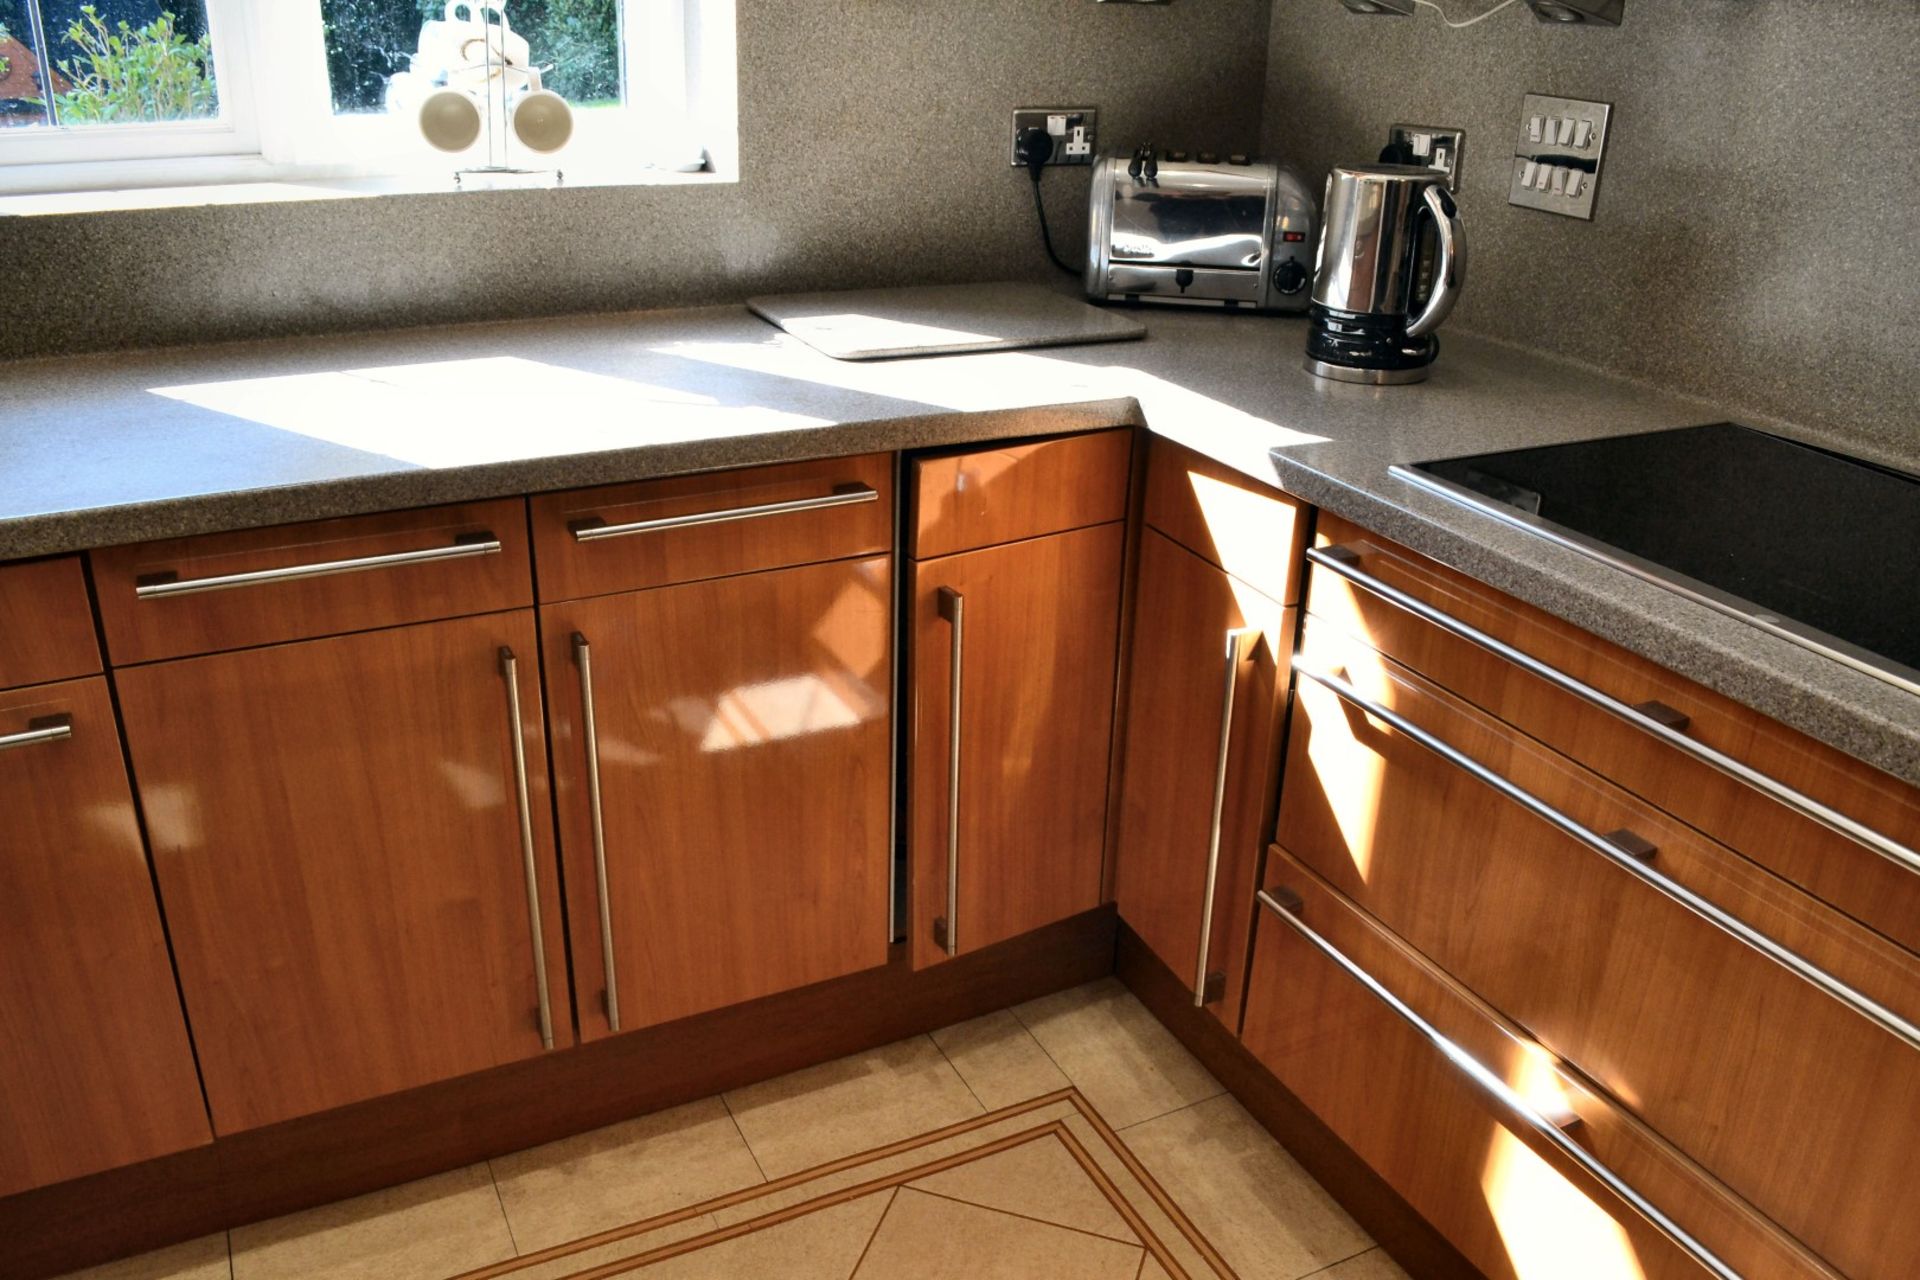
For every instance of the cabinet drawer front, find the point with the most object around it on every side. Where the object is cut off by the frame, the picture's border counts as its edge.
(1528, 1170)
(263, 586)
(1710, 1037)
(46, 624)
(1003, 493)
(1202, 753)
(627, 537)
(350, 836)
(725, 811)
(95, 1066)
(1253, 531)
(1880, 890)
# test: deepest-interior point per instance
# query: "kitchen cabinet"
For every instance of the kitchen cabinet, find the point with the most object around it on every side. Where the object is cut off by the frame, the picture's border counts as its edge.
(1525, 1167)
(1015, 652)
(1207, 696)
(46, 624)
(723, 763)
(353, 842)
(95, 1065)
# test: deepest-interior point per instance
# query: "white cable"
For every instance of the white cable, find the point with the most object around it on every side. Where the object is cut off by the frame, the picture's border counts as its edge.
(1470, 21)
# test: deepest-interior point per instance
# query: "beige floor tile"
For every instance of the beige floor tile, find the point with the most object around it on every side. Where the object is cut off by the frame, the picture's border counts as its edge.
(202, 1259)
(1374, 1264)
(924, 1237)
(1244, 1192)
(852, 1105)
(1151, 1270)
(572, 1263)
(1037, 1179)
(622, 1173)
(999, 1059)
(822, 1245)
(424, 1230)
(1115, 1052)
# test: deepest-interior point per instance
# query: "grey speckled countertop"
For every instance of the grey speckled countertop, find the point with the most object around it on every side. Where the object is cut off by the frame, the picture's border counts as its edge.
(96, 450)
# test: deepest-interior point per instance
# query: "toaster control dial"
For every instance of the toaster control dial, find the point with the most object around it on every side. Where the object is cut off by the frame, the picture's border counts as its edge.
(1289, 276)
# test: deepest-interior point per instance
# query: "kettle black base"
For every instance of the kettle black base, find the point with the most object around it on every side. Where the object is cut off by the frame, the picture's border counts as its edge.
(1370, 349)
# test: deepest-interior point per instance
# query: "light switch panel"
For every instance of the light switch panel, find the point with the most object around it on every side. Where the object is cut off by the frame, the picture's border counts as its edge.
(1556, 155)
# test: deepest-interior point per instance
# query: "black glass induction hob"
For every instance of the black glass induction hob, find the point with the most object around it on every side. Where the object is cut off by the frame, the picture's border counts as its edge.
(1812, 545)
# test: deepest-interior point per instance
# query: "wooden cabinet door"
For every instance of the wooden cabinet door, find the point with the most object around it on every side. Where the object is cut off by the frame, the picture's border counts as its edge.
(1203, 718)
(337, 827)
(1038, 625)
(742, 733)
(95, 1068)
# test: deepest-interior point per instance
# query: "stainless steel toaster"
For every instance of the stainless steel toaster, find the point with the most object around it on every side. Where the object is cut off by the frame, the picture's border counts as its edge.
(1200, 231)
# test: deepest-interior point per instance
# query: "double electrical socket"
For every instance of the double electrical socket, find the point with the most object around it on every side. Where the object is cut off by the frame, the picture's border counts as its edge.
(1072, 130)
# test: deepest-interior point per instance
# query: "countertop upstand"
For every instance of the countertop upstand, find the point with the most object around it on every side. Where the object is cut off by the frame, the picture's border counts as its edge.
(99, 450)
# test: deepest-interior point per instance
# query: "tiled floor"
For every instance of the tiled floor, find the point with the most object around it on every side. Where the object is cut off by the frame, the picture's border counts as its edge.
(1069, 1137)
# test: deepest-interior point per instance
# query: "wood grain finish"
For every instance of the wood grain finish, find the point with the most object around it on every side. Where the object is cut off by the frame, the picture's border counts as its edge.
(1185, 610)
(143, 630)
(745, 748)
(1828, 865)
(1515, 1206)
(389, 1140)
(336, 833)
(1041, 630)
(1003, 493)
(94, 1061)
(1253, 531)
(1708, 1041)
(46, 623)
(571, 569)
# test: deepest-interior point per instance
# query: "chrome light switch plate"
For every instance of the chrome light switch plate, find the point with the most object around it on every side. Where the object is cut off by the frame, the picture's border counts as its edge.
(1436, 147)
(1557, 154)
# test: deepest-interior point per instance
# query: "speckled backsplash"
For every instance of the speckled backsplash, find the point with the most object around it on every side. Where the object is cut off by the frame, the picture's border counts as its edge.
(873, 140)
(1758, 213)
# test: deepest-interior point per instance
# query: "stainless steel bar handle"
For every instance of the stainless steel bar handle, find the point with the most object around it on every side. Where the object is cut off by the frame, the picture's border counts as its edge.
(1862, 1004)
(1673, 736)
(589, 730)
(1509, 1098)
(591, 531)
(1237, 645)
(484, 545)
(49, 729)
(953, 607)
(510, 671)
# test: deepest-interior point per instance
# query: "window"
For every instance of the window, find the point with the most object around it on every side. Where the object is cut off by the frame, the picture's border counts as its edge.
(130, 93)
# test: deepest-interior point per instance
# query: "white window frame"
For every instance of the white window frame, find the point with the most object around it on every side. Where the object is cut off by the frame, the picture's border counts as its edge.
(678, 62)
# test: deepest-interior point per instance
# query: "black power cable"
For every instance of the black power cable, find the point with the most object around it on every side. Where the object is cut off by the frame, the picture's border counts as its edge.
(1036, 148)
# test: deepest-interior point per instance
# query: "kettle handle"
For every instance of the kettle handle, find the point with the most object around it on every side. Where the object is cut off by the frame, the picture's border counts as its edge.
(1451, 271)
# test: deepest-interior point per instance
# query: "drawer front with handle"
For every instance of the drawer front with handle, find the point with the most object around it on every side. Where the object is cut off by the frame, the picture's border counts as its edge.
(46, 624)
(1712, 999)
(1846, 833)
(591, 542)
(1253, 531)
(994, 494)
(294, 582)
(1529, 1169)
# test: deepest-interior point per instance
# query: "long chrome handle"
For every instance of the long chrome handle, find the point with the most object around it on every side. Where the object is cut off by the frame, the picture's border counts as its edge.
(480, 545)
(510, 671)
(39, 730)
(1621, 857)
(593, 530)
(1237, 645)
(1509, 1098)
(953, 607)
(1335, 560)
(589, 730)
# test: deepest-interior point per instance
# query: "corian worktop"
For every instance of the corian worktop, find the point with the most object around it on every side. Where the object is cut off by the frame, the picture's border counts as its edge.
(97, 450)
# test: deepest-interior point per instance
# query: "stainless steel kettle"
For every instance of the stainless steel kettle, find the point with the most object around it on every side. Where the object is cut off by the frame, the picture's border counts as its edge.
(1391, 264)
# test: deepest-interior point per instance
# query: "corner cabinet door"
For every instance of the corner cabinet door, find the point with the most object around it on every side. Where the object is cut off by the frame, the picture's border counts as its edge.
(348, 857)
(725, 809)
(95, 1068)
(1202, 756)
(1035, 628)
